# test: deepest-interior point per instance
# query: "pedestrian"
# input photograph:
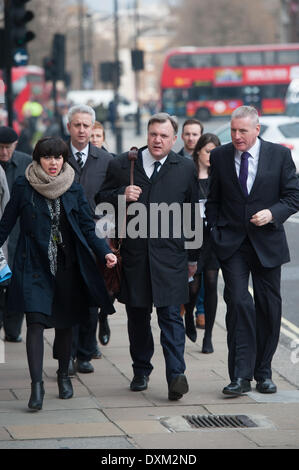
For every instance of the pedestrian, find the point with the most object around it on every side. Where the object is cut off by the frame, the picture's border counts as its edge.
(14, 164)
(54, 274)
(208, 264)
(191, 132)
(90, 165)
(253, 190)
(155, 269)
(97, 139)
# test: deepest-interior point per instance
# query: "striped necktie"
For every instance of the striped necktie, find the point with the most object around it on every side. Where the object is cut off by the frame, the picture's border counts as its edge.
(79, 159)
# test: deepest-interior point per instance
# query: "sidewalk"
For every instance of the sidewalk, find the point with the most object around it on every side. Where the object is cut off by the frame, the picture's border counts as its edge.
(105, 414)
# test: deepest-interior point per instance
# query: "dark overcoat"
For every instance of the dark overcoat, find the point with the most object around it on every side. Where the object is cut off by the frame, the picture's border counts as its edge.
(229, 211)
(32, 284)
(155, 270)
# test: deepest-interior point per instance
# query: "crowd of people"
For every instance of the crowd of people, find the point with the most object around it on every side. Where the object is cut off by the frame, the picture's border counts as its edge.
(239, 195)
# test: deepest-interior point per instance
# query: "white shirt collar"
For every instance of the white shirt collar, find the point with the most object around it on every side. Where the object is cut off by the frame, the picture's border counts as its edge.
(254, 150)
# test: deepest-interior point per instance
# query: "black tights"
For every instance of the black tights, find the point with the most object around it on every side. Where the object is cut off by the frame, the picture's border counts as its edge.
(210, 278)
(35, 349)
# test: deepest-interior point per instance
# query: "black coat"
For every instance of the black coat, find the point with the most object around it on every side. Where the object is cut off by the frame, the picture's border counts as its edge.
(229, 211)
(155, 270)
(93, 173)
(32, 284)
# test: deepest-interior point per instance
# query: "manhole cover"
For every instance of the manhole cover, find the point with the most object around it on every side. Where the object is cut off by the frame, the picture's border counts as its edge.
(220, 421)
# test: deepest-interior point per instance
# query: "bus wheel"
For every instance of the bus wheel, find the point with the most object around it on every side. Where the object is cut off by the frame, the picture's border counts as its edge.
(203, 114)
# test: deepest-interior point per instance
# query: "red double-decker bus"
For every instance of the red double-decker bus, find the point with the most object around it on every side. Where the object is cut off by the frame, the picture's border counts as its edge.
(213, 81)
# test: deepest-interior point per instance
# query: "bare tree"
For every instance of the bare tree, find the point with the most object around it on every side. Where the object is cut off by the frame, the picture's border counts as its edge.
(227, 22)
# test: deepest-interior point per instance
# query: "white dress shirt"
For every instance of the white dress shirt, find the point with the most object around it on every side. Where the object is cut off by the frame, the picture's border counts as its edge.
(148, 162)
(84, 152)
(253, 161)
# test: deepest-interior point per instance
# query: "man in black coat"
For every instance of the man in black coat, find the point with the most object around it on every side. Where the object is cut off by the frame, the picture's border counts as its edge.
(14, 163)
(155, 268)
(254, 189)
(90, 164)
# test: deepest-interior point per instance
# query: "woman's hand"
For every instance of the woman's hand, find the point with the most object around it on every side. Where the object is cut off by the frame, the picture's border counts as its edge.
(111, 260)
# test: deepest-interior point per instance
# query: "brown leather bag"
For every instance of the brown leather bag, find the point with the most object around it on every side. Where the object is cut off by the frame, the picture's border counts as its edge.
(112, 276)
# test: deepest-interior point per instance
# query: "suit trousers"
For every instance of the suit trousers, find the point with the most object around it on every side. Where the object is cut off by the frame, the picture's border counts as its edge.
(84, 336)
(142, 344)
(253, 326)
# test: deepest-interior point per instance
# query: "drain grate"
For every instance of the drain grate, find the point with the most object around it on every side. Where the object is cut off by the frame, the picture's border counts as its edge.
(220, 421)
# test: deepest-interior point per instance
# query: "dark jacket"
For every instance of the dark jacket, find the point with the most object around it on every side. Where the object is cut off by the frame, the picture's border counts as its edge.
(155, 269)
(32, 284)
(229, 211)
(93, 173)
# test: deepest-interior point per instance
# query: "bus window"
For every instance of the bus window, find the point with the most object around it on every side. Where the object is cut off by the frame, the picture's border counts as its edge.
(270, 58)
(201, 93)
(251, 58)
(181, 61)
(228, 59)
(201, 60)
(287, 57)
(227, 93)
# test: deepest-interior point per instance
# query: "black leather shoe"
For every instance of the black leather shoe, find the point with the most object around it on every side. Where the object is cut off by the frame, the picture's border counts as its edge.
(190, 327)
(178, 387)
(104, 330)
(266, 386)
(72, 368)
(139, 383)
(64, 385)
(97, 353)
(37, 396)
(237, 387)
(13, 339)
(85, 367)
(207, 346)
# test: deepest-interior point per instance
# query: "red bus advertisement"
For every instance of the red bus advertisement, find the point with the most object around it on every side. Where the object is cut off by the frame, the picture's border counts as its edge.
(28, 84)
(213, 81)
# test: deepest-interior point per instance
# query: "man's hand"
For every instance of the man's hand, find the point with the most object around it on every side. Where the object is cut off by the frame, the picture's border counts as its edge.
(132, 193)
(262, 217)
(192, 268)
(111, 260)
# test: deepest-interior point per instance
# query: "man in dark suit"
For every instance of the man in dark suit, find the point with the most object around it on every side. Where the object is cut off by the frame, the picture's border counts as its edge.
(14, 164)
(191, 132)
(253, 191)
(90, 164)
(155, 270)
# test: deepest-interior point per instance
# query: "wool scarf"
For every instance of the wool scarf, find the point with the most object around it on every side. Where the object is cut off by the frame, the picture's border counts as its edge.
(48, 186)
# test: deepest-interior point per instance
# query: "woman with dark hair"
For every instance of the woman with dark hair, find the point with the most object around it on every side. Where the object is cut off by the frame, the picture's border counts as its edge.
(54, 272)
(207, 262)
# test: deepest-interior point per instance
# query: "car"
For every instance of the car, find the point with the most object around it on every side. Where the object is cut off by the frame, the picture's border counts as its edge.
(280, 129)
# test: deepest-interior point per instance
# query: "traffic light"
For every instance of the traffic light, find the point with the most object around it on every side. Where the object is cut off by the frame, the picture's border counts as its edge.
(49, 66)
(58, 55)
(19, 17)
(137, 59)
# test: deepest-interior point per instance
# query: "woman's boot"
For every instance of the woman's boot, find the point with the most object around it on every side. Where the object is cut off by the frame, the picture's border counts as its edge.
(37, 396)
(64, 385)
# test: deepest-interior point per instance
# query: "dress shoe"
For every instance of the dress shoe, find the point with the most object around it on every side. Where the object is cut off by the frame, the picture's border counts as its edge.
(237, 387)
(85, 367)
(266, 386)
(37, 396)
(200, 321)
(178, 387)
(72, 368)
(104, 330)
(207, 345)
(97, 353)
(13, 339)
(190, 327)
(64, 385)
(139, 383)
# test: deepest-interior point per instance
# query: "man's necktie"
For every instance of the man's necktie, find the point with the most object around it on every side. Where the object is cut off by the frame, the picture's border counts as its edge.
(155, 172)
(243, 175)
(79, 159)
